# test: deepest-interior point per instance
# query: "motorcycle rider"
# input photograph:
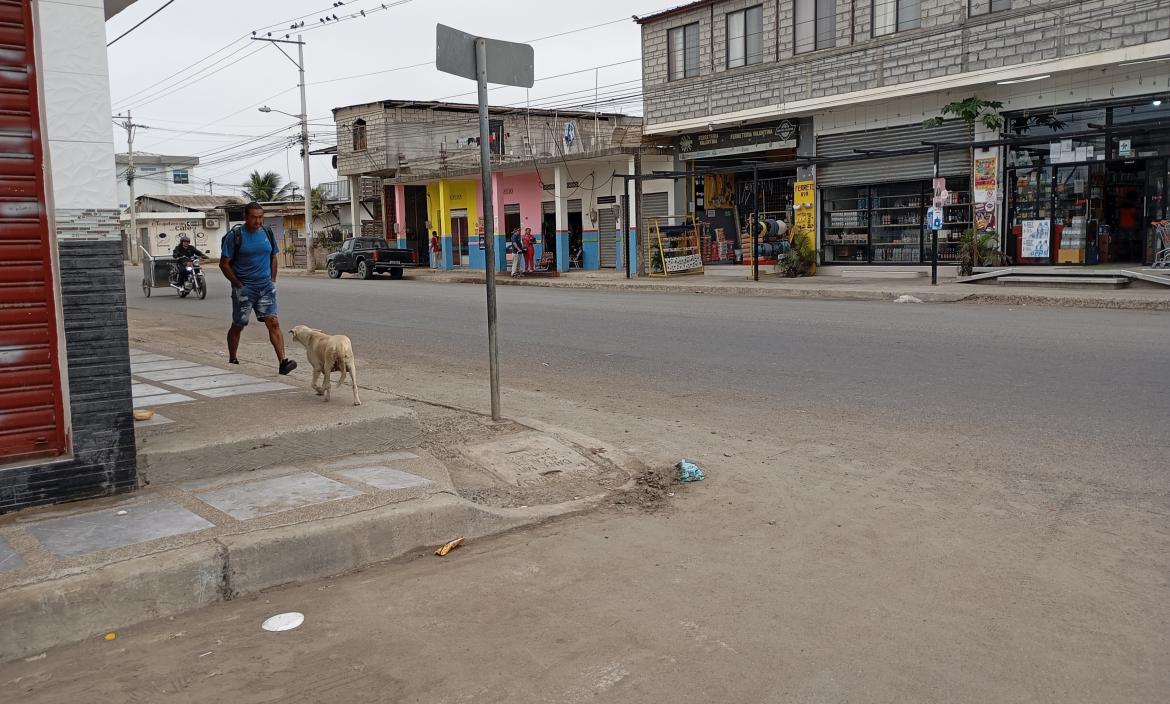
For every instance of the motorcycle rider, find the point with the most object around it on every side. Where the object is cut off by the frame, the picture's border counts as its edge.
(185, 250)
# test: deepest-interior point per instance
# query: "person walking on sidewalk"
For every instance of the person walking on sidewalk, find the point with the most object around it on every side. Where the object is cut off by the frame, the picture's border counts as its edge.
(248, 260)
(529, 250)
(436, 250)
(517, 253)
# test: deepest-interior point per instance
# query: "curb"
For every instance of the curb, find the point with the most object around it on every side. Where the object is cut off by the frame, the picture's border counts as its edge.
(67, 608)
(748, 291)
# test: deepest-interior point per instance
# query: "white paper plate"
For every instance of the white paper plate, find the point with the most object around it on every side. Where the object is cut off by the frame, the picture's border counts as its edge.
(283, 622)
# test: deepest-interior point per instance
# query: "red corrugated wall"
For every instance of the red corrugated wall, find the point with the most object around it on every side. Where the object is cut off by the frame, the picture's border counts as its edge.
(32, 420)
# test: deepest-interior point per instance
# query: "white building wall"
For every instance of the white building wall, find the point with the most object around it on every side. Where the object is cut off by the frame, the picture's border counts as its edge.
(76, 102)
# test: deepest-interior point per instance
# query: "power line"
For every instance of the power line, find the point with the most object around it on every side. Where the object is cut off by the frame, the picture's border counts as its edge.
(165, 6)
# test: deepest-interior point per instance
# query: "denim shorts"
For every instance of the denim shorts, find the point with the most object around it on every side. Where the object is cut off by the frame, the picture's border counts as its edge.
(261, 299)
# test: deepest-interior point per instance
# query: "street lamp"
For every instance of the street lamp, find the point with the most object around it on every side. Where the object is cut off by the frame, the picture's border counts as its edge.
(302, 118)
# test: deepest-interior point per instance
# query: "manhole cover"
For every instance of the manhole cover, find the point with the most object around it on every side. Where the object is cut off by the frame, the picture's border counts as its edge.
(528, 459)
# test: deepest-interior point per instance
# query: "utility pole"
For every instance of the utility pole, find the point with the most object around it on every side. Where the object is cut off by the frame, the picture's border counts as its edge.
(211, 188)
(299, 62)
(128, 125)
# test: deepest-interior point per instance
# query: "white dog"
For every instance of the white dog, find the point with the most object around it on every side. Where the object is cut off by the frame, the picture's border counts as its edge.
(327, 354)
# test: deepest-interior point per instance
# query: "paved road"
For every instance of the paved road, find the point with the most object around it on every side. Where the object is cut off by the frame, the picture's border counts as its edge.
(1095, 377)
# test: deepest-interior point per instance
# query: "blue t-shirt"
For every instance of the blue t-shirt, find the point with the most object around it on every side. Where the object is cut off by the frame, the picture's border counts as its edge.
(253, 263)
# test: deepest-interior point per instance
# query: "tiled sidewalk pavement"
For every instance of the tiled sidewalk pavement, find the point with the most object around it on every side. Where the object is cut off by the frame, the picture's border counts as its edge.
(178, 381)
(229, 502)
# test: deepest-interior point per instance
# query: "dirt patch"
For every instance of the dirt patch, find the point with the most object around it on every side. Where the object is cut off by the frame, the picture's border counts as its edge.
(651, 489)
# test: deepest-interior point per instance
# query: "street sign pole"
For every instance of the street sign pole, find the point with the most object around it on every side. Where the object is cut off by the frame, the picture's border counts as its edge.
(489, 230)
(486, 61)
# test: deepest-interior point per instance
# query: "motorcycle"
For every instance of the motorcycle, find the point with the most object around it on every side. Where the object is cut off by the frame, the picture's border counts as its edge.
(194, 281)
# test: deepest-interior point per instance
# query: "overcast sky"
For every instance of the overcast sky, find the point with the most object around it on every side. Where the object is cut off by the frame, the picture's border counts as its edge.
(220, 95)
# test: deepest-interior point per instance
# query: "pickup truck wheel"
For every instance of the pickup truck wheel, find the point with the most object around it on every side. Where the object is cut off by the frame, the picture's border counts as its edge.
(396, 273)
(331, 269)
(364, 271)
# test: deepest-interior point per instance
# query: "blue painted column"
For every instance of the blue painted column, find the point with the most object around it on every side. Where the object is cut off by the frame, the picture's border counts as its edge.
(562, 250)
(560, 196)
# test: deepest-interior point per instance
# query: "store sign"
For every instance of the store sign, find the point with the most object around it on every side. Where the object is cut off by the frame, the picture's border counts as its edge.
(743, 140)
(687, 263)
(984, 197)
(940, 192)
(934, 218)
(1124, 147)
(804, 198)
(1036, 239)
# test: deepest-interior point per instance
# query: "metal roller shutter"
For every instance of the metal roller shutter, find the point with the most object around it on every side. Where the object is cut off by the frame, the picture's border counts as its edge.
(607, 236)
(31, 409)
(574, 205)
(548, 208)
(655, 205)
(512, 209)
(904, 168)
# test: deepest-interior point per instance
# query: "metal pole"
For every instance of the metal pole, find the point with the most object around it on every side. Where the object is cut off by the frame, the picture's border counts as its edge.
(934, 235)
(485, 164)
(308, 185)
(639, 219)
(130, 182)
(755, 223)
(626, 223)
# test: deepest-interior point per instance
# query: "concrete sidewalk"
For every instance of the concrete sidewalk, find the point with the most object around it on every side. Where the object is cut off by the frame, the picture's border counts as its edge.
(254, 482)
(734, 281)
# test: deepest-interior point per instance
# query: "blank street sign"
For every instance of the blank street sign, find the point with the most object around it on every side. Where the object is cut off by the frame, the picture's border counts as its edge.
(508, 63)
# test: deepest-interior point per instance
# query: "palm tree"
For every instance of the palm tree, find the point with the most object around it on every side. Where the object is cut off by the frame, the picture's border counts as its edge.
(266, 187)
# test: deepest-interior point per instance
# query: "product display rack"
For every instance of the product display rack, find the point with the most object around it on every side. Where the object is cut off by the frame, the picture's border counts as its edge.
(885, 224)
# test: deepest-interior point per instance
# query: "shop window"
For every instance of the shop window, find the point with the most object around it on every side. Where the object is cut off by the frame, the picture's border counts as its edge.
(745, 33)
(683, 49)
(982, 7)
(816, 24)
(885, 224)
(891, 16)
(181, 176)
(359, 135)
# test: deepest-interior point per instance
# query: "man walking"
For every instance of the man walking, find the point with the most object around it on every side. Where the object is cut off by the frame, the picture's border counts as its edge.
(248, 260)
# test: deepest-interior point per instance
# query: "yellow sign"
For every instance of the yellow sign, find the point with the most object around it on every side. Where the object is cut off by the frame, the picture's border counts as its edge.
(804, 199)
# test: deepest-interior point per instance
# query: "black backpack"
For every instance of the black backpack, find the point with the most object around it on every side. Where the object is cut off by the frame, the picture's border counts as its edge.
(237, 234)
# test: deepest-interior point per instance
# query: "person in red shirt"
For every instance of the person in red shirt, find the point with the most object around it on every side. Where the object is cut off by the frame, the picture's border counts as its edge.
(529, 250)
(436, 251)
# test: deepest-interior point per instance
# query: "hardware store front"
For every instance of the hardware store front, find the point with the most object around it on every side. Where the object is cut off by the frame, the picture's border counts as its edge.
(1090, 198)
(873, 209)
(737, 174)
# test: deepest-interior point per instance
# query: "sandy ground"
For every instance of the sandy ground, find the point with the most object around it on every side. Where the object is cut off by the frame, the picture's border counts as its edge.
(851, 557)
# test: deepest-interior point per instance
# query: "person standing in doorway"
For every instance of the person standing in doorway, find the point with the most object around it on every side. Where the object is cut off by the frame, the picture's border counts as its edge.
(436, 251)
(517, 253)
(248, 260)
(529, 250)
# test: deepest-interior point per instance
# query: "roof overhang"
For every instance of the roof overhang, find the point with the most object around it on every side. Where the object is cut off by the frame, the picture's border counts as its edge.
(113, 7)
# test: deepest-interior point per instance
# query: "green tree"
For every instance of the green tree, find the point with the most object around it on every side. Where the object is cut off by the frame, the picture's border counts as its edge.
(266, 187)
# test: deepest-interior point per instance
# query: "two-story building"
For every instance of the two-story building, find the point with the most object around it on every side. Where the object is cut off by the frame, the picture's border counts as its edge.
(556, 172)
(813, 111)
(157, 174)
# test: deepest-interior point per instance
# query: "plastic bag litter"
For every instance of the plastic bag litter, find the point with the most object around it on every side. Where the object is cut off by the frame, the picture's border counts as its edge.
(689, 472)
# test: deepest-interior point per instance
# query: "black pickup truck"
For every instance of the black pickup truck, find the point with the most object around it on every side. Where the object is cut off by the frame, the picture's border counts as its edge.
(366, 256)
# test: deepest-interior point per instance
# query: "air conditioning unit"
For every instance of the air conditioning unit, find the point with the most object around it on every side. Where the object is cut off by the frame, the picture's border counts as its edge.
(211, 223)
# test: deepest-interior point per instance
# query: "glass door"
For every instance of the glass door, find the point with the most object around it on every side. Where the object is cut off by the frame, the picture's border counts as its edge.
(896, 223)
(1073, 215)
(1030, 237)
